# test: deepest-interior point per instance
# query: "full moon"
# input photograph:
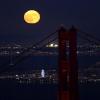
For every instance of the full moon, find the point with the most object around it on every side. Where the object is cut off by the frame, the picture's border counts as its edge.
(31, 17)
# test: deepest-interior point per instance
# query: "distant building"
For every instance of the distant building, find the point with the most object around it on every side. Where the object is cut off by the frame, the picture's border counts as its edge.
(43, 73)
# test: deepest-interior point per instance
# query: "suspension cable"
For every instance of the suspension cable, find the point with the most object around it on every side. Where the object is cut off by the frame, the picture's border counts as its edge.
(20, 59)
(90, 38)
(35, 44)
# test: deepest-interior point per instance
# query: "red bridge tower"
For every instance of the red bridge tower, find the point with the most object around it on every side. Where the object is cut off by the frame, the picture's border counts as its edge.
(68, 69)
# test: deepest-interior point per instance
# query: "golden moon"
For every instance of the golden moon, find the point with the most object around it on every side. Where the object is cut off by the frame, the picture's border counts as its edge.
(32, 17)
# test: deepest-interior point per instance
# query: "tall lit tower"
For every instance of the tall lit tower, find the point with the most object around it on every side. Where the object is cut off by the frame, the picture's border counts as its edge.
(43, 73)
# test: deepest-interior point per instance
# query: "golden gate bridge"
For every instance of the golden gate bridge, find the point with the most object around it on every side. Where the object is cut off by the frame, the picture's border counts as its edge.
(67, 63)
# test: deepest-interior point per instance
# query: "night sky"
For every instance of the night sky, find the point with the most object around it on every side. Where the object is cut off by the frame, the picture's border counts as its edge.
(84, 14)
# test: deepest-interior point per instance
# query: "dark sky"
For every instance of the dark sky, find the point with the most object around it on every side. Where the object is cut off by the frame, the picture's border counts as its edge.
(84, 14)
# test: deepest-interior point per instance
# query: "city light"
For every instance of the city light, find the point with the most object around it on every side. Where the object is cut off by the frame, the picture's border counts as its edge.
(42, 73)
(52, 45)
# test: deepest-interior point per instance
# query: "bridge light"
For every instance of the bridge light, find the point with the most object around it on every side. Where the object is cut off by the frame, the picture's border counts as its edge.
(55, 45)
(51, 45)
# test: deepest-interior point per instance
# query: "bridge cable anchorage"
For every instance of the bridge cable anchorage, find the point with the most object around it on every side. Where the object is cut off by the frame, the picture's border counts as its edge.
(90, 38)
(20, 59)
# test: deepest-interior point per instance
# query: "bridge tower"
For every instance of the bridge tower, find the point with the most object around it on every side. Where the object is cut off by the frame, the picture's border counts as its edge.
(68, 69)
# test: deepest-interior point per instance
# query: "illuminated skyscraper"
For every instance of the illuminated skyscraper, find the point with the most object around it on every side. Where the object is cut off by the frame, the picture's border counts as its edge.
(43, 73)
